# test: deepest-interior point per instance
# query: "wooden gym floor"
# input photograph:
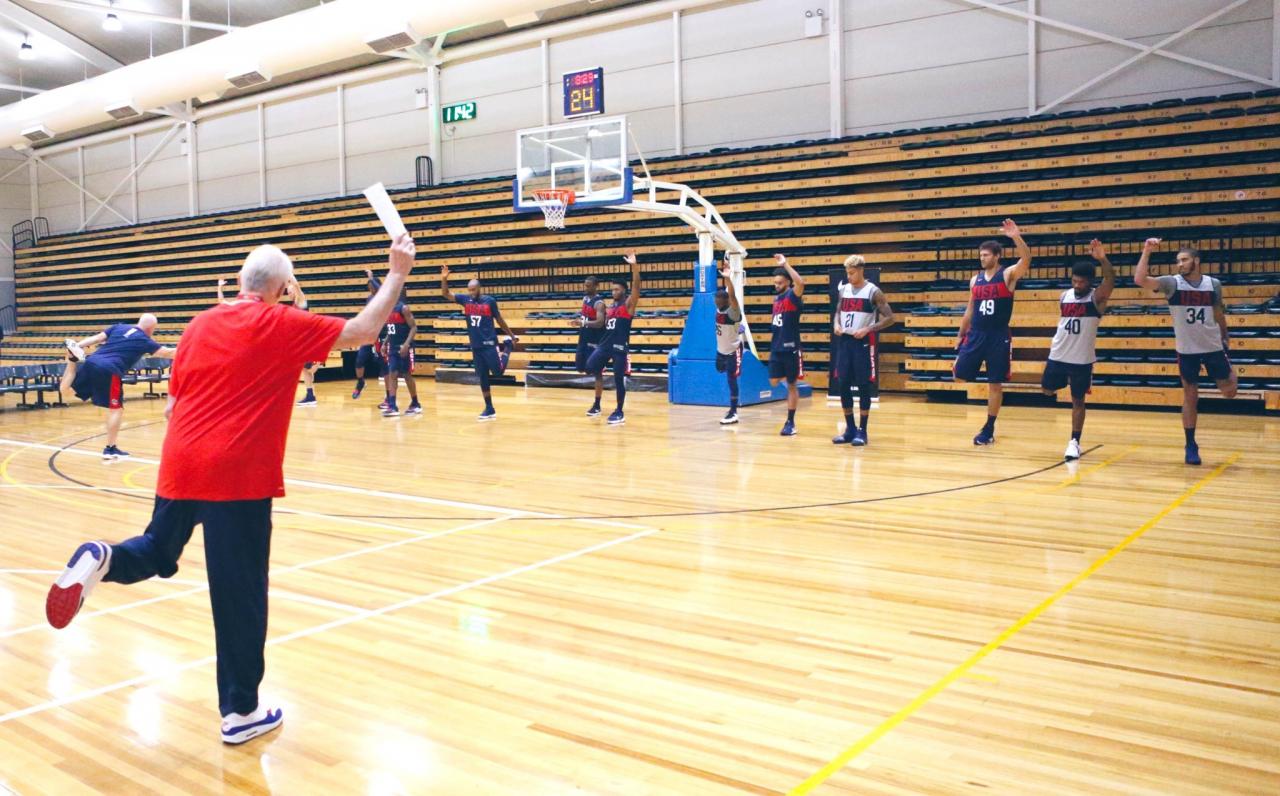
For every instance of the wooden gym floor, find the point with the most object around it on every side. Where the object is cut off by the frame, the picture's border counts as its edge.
(547, 605)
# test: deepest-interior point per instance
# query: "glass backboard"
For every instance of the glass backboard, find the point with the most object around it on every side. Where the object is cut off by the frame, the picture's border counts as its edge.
(588, 157)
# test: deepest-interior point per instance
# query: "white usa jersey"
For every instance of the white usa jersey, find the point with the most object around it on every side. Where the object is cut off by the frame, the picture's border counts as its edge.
(1195, 327)
(728, 330)
(857, 308)
(1076, 341)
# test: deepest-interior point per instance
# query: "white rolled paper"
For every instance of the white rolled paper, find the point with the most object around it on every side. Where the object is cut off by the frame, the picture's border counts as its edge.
(386, 210)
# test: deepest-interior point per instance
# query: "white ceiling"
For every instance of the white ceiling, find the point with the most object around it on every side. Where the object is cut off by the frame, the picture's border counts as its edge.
(56, 65)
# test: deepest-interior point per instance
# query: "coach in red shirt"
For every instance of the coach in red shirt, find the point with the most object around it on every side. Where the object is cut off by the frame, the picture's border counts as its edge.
(223, 463)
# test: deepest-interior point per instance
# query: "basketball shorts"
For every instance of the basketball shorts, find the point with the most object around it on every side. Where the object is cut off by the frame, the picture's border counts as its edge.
(1059, 374)
(99, 385)
(994, 349)
(603, 356)
(1215, 363)
(490, 359)
(395, 362)
(854, 360)
(787, 365)
(730, 363)
(585, 349)
(368, 358)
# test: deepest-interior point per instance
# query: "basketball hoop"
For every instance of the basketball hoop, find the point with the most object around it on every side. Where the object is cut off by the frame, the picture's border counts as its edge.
(555, 204)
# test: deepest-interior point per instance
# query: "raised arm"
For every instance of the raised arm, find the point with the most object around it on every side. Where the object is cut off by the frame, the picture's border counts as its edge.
(634, 298)
(294, 289)
(365, 326)
(884, 317)
(730, 288)
(797, 281)
(1102, 294)
(1140, 276)
(444, 284)
(374, 284)
(222, 282)
(1023, 265)
(166, 352)
(967, 320)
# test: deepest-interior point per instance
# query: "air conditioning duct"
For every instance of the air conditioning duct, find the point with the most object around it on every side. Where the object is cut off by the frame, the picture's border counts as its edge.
(388, 41)
(37, 133)
(122, 110)
(248, 76)
(320, 35)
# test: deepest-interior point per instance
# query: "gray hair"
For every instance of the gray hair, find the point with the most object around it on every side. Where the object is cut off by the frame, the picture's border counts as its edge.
(265, 268)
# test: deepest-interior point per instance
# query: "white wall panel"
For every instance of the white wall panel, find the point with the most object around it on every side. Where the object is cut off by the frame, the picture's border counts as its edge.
(409, 128)
(162, 203)
(616, 49)
(226, 193)
(393, 168)
(383, 97)
(308, 146)
(228, 161)
(303, 113)
(304, 181)
(228, 130)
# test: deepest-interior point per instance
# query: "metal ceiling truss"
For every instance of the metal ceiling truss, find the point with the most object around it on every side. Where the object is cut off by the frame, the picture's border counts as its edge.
(1143, 50)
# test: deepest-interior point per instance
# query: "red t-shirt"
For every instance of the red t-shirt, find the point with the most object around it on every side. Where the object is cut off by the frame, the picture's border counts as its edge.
(233, 383)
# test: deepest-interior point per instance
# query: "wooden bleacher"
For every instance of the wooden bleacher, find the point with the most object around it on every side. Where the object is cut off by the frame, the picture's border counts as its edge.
(915, 202)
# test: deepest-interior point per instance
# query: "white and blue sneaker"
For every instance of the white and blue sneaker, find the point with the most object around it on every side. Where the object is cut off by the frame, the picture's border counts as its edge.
(617, 419)
(415, 408)
(487, 414)
(391, 410)
(88, 564)
(238, 728)
(788, 429)
(594, 411)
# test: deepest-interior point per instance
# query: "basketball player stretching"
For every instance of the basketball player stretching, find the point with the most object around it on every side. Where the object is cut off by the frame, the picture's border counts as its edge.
(397, 350)
(786, 362)
(487, 356)
(591, 320)
(862, 313)
(368, 359)
(984, 329)
(729, 340)
(1199, 330)
(1074, 347)
(615, 345)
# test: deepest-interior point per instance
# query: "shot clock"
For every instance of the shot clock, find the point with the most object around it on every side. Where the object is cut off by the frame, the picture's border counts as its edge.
(584, 92)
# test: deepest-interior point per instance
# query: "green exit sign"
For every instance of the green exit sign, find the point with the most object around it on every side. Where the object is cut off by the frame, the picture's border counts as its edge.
(460, 112)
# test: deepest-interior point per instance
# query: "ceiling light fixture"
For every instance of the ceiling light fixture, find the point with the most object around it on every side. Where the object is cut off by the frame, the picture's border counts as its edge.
(112, 24)
(26, 52)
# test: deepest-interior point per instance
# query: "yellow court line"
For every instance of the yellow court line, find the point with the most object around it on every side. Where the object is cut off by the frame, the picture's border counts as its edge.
(128, 477)
(1075, 479)
(865, 742)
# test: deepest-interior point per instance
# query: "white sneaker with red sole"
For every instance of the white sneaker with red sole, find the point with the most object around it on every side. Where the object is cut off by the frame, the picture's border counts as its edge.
(88, 564)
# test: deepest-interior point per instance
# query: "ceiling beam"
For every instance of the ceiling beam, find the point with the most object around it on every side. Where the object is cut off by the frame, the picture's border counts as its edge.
(141, 16)
(37, 24)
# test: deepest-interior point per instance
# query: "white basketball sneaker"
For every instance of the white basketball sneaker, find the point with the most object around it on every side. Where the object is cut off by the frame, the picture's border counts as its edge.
(1073, 451)
(238, 728)
(88, 564)
(74, 352)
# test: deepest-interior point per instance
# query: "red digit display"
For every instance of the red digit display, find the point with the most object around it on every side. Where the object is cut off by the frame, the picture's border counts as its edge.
(584, 92)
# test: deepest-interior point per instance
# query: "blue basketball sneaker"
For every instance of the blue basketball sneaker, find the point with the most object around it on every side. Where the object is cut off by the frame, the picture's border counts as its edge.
(487, 414)
(1193, 454)
(788, 429)
(846, 438)
(984, 437)
(859, 438)
(617, 419)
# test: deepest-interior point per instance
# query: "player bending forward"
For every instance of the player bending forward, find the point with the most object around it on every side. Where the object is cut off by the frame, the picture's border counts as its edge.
(1199, 330)
(862, 313)
(1074, 347)
(99, 376)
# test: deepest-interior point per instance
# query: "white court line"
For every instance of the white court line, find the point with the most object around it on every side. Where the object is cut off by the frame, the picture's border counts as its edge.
(311, 631)
(296, 567)
(354, 490)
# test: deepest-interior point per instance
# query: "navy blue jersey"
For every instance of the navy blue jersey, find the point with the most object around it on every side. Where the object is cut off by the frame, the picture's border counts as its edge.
(588, 312)
(480, 313)
(992, 303)
(124, 346)
(787, 307)
(617, 326)
(396, 329)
